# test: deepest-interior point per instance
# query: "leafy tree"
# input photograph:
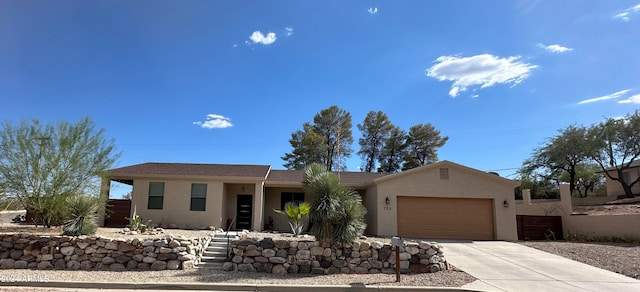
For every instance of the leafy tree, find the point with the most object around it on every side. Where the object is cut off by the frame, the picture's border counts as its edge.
(42, 165)
(588, 179)
(616, 145)
(375, 129)
(308, 148)
(393, 151)
(337, 213)
(423, 142)
(334, 124)
(328, 140)
(560, 154)
(539, 188)
(295, 213)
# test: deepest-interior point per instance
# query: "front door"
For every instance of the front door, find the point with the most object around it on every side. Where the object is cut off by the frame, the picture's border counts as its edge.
(245, 211)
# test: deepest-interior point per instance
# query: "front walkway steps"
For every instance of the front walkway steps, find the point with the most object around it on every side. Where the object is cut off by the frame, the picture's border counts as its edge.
(216, 252)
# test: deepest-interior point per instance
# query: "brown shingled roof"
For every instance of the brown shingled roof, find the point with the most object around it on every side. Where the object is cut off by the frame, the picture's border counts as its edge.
(346, 177)
(193, 169)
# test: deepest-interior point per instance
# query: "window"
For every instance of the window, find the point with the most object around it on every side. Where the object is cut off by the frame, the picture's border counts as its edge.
(198, 197)
(444, 173)
(291, 197)
(156, 195)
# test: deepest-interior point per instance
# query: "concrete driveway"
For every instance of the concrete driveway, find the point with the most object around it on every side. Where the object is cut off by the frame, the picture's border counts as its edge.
(506, 266)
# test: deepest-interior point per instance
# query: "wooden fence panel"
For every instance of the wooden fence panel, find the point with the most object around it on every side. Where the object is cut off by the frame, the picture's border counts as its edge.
(117, 213)
(539, 227)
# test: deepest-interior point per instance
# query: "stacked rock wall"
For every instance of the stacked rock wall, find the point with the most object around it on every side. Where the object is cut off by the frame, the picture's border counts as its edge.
(286, 256)
(26, 251)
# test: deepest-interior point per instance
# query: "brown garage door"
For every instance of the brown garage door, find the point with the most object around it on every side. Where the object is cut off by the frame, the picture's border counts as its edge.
(445, 218)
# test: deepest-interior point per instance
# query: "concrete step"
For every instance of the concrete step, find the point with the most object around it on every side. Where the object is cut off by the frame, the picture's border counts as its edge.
(216, 249)
(225, 234)
(222, 253)
(210, 265)
(215, 259)
(223, 239)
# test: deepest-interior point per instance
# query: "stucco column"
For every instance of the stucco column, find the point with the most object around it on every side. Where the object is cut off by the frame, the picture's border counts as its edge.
(526, 197)
(565, 198)
(105, 188)
(258, 206)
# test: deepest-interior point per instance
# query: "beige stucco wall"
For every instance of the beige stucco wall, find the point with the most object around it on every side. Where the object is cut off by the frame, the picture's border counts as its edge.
(602, 225)
(590, 201)
(231, 192)
(615, 189)
(177, 201)
(545, 207)
(462, 183)
(272, 200)
(370, 200)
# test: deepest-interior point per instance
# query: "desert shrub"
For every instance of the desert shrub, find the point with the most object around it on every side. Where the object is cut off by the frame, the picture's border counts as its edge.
(81, 218)
(337, 213)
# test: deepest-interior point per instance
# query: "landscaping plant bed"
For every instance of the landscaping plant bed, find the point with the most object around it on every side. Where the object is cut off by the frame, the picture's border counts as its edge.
(101, 232)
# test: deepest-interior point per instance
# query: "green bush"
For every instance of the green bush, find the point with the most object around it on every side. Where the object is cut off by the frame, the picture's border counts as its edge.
(337, 213)
(295, 212)
(135, 224)
(601, 238)
(81, 218)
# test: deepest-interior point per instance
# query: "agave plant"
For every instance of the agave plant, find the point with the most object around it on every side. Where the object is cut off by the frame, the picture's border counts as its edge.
(337, 213)
(296, 213)
(81, 218)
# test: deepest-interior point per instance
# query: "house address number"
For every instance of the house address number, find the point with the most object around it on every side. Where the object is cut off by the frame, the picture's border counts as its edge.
(387, 208)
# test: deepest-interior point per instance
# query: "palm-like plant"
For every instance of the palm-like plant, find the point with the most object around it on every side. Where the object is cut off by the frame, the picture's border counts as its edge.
(296, 213)
(337, 213)
(81, 217)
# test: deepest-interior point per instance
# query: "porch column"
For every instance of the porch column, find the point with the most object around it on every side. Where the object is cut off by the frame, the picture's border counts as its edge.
(105, 188)
(258, 206)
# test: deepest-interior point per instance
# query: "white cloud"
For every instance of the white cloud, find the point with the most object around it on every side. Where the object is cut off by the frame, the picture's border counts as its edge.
(372, 10)
(555, 48)
(214, 121)
(258, 38)
(614, 95)
(635, 99)
(481, 70)
(626, 14)
(289, 30)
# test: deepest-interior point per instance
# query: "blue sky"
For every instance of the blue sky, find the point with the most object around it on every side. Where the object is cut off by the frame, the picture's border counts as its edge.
(229, 81)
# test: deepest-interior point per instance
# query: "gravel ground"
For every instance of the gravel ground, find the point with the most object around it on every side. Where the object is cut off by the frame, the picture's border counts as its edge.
(440, 279)
(616, 257)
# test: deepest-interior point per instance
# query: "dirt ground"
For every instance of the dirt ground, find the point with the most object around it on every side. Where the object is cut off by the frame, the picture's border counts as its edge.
(608, 209)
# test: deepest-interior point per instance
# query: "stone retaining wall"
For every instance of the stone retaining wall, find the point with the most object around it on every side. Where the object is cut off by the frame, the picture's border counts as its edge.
(27, 251)
(286, 256)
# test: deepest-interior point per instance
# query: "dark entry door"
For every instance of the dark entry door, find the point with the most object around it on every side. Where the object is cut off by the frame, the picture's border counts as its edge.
(245, 210)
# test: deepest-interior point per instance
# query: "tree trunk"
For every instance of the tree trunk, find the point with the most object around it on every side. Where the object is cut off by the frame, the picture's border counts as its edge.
(627, 189)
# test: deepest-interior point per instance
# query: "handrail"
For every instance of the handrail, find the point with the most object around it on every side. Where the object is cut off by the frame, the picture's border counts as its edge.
(227, 233)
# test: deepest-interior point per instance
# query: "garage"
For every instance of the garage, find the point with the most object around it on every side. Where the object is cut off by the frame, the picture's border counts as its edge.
(446, 218)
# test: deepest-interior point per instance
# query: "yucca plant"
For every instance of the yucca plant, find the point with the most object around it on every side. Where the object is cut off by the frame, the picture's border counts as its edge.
(337, 213)
(296, 212)
(81, 218)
